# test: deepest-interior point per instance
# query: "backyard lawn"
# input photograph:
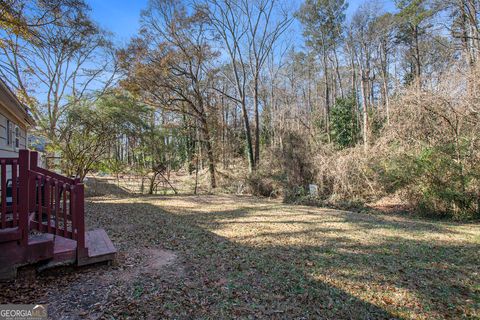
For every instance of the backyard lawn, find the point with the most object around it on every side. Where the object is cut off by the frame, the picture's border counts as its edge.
(219, 257)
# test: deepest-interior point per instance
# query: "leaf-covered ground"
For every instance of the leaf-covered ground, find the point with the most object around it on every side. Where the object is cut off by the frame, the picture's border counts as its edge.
(223, 257)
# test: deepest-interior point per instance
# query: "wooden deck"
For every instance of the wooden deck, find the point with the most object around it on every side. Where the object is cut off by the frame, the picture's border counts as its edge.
(42, 219)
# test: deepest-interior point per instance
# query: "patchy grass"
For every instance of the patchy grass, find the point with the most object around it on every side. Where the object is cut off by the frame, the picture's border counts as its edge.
(243, 257)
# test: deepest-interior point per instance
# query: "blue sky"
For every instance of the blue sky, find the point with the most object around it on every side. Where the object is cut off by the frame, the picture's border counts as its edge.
(118, 16)
(122, 16)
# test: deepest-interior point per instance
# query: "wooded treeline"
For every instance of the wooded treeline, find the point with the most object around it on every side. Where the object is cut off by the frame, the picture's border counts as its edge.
(380, 102)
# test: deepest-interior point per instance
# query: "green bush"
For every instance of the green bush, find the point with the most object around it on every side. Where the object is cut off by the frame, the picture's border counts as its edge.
(344, 128)
(438, 181)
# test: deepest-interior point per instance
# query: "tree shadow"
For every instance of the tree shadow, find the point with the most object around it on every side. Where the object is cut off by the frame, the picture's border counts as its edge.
(225, 279)
(421, 267)
(440, 274)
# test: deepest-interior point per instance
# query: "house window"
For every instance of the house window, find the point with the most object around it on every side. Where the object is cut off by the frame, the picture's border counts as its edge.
(17, 137)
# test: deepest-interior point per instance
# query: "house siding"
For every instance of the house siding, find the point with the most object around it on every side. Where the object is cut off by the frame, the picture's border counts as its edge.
(10, 150)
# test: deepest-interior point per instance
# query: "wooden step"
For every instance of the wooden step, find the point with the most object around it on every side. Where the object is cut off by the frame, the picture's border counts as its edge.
(40, 247)
(10, 234)
(11, 252)
(64, 253)
(65, 249)
(100, 248)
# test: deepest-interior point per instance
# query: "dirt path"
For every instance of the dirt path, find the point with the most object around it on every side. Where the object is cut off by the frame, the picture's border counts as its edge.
(219, 257)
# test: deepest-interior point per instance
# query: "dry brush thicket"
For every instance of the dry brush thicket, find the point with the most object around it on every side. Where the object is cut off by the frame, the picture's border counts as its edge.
(428, 155)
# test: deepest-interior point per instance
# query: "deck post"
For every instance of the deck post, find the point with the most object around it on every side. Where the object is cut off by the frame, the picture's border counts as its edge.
(33, 160)
(23, 163)
(79, 190)
(33, 164)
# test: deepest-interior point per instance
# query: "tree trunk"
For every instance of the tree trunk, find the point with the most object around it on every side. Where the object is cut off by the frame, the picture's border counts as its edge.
(257, 121)
(225, 134)
(337, 69)
(472, 6)
(327, 95)
(210, 156)
(248, 137)
(354, 88)
(364, 84)
(384, 68)
(418, 71)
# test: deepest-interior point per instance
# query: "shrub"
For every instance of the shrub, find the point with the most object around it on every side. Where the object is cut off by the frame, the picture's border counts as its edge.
(435, 182)
(291, 174)
(435, 151)
(344, 129)
(348, 175)
(262, 184)
(297, 168)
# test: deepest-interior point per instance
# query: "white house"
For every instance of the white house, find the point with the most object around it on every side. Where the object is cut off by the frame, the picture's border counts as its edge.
(14, 123)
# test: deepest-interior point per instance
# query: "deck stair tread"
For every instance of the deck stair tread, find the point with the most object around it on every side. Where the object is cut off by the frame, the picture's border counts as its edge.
(40, 247)
(98, 243)
(64, 252)
(64, 248)
(100, 247)
(10, 234)
(38, 238)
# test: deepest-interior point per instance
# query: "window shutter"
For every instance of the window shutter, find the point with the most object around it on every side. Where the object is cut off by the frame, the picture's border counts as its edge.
(8, 132)
(17, 137)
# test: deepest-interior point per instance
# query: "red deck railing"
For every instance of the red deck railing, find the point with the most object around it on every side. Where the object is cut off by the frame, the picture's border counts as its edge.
(35, 198)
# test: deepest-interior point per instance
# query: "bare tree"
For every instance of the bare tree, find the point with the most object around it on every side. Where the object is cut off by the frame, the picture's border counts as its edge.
(23, 17)
(384, 25)
(169, 66)
(364, 46)
(248, 29)
(67, 60)
(264, 28)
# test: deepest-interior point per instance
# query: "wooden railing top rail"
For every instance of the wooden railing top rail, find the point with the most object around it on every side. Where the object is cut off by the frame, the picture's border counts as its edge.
(34, 166)
(47, 175)
(54, 175)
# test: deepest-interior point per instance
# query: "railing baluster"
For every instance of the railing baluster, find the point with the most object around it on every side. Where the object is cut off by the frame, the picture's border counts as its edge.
(14, 193)
(65, 220)
(48, 204)
(40, 211)
(32, 185)
(32, 207)
(72, 211)
(4, 193)
(24, 162)
(57, 205)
